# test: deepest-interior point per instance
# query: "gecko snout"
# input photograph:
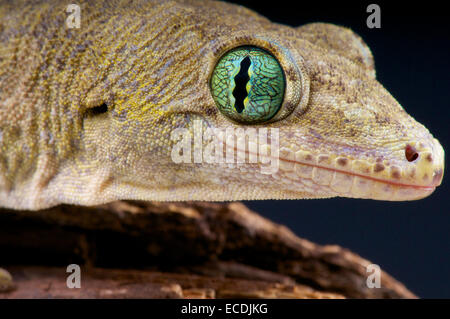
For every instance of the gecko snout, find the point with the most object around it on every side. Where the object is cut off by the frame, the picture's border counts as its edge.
(416, 176)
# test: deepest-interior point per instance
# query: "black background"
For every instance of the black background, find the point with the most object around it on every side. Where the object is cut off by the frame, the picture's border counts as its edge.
(409, 240)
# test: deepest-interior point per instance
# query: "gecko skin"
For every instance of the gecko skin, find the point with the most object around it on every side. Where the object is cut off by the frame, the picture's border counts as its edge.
(86, 115)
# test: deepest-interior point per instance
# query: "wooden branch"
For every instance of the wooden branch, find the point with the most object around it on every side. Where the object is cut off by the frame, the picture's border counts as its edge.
(154, 250)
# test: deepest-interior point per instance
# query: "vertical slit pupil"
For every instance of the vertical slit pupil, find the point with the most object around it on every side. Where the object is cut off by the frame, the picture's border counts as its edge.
(241, 79)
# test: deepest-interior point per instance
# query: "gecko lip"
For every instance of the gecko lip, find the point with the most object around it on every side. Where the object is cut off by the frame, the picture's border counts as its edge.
(375, 188)
(436, 180)
(399, 181)
(347, 183)
(351, 184)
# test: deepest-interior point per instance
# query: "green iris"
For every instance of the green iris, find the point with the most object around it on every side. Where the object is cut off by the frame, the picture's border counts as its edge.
(248, 85)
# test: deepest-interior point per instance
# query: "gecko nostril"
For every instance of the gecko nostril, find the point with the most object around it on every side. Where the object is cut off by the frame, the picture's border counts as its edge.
(411, 153)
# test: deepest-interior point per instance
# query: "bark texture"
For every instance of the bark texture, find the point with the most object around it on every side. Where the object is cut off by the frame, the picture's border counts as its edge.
(174, 250)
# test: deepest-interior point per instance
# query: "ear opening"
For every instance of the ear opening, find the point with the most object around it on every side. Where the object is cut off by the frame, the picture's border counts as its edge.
(97, 101)
(100, 109)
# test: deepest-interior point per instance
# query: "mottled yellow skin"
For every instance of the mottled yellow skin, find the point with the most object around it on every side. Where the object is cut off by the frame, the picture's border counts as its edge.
(341, 132)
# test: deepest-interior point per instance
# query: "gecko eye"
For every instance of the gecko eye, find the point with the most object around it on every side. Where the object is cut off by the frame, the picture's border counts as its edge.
(248, 85)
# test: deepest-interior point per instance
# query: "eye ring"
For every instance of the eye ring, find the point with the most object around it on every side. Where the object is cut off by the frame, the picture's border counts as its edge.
(296, 94)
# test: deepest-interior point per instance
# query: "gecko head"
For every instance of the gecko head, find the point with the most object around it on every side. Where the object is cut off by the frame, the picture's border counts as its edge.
(341, 133)
(299, 110)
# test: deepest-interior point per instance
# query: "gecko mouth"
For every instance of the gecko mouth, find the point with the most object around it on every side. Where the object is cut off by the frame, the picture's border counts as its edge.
(319, 179)
(306, 172)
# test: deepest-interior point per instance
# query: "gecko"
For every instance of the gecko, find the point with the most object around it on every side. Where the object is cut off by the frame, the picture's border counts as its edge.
(87, 114)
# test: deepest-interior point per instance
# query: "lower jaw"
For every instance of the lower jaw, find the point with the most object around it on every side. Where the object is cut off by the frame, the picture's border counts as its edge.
(378, 190)
(353, 186)
(389, 192)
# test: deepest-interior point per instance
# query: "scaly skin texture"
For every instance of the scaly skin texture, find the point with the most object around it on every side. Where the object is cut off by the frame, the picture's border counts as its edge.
(341, 133)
